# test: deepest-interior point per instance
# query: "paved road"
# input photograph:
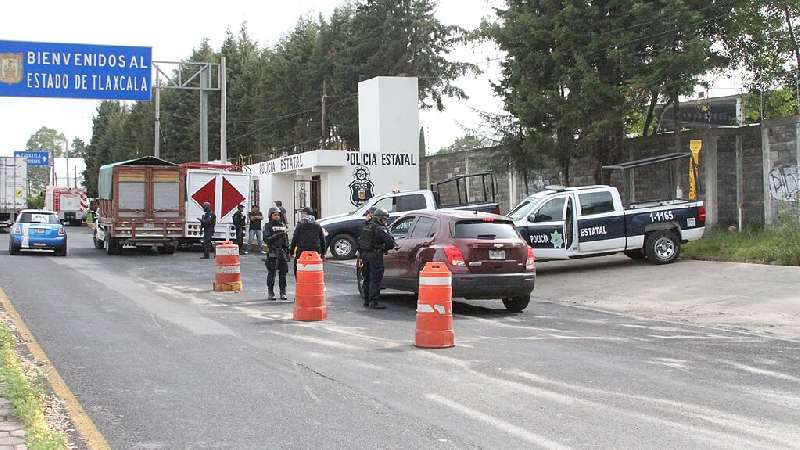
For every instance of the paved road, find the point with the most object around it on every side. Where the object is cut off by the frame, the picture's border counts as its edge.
(159, 361)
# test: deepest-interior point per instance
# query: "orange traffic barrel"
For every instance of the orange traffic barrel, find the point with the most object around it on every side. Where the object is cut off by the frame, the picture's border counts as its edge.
(435, 307)
(309, 301)
(229, 274)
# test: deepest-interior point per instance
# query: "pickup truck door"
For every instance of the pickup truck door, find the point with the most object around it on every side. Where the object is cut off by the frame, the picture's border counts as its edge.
(549, 228)
(601, 222)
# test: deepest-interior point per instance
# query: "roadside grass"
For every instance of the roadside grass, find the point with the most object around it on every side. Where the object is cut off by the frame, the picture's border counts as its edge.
(778, 245)
(25, 397)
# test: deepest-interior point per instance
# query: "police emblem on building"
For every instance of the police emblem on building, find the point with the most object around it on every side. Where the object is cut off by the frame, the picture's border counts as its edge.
(361, 186)
(10, 68)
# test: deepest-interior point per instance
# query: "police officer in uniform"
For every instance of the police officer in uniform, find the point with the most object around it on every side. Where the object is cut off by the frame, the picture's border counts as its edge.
(207, 224)
(373, 243)
(308, 237)
(239, 223)
(277, 242)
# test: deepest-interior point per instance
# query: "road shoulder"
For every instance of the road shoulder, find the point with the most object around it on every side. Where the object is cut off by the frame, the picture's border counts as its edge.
(65, 413)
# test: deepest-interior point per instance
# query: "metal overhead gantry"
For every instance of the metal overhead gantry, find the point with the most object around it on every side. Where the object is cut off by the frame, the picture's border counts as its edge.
(193, 76)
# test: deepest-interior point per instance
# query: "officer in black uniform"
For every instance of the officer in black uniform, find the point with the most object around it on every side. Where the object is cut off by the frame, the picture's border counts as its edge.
(308, 237)
(373, 243)
(207, 224)
(277, 242)
(239, 223)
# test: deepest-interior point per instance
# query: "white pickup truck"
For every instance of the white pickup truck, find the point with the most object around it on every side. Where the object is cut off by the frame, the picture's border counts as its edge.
(579, 222)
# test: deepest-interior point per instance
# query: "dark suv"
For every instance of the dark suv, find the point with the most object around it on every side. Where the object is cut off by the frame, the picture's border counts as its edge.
(484, 252)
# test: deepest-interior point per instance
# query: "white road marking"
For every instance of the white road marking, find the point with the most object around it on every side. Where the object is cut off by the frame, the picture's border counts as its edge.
(519, 432)
(319, 341)
(769, 373)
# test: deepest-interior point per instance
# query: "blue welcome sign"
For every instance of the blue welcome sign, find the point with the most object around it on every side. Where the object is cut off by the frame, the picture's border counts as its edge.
(106, 72)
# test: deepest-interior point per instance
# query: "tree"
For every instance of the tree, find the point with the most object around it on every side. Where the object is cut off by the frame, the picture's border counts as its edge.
(78, 149)
(47, 139)
(577, 90)
(395, 38)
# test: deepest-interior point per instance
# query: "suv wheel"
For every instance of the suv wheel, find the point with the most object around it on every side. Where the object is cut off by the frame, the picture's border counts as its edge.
(517, 303)
(662, 247)
(343, 246)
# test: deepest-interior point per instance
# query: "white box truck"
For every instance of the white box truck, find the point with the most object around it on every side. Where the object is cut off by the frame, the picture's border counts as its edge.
(70, 204)
(224, 189)
(13, 188)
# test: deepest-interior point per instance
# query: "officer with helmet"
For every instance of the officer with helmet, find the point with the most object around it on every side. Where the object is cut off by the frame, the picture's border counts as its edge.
(277, 261)
(373, 242)
(207, 224)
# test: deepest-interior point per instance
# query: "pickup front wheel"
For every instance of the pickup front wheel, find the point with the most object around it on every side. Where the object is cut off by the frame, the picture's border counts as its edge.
(343, 246)
(662, 247)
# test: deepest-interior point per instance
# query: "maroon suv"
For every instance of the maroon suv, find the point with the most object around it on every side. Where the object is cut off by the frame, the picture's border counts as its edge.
(487, 257)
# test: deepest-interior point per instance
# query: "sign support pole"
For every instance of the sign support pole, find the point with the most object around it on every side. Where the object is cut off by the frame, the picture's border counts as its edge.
(157, 134)
(204, 81)
(223, 113)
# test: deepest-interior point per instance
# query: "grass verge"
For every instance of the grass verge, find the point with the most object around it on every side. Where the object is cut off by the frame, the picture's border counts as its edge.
(779, 245)
(24, 397)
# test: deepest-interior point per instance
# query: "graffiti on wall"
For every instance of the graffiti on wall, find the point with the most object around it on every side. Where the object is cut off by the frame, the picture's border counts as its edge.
(784, 183)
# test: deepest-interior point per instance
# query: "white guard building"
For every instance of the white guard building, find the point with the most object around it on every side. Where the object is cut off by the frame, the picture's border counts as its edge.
(335, 182)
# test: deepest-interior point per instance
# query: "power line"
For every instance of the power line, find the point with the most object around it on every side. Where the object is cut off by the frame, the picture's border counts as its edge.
(286, 116)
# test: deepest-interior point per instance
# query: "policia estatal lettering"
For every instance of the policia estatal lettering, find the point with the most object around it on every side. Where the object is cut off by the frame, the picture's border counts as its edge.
(373, 242)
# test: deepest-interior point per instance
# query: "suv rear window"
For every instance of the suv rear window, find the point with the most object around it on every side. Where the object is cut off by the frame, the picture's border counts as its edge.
(478, 229)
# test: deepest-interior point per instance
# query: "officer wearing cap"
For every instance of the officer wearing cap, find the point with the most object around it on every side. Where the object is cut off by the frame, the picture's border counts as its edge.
(308, 237)
(207, 224)
(373, 242)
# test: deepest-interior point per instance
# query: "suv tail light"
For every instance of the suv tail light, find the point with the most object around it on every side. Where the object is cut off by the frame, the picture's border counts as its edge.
(18, 229)
(531, 263)
(454, 256)
(701, 214)
(61, 231)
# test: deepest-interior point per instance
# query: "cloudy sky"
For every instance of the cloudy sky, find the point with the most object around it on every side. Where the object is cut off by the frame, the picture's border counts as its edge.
(174, 28)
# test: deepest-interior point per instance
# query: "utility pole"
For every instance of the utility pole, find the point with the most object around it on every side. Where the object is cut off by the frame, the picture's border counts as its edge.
(323, 135)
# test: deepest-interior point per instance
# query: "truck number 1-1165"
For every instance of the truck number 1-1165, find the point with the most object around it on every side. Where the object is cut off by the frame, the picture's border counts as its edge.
(661, 216)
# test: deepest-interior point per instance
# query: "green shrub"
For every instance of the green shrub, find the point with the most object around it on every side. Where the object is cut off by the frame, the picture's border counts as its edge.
(775, 245)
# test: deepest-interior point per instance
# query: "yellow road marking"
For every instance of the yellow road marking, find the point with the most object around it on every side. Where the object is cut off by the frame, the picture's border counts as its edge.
(83, 423)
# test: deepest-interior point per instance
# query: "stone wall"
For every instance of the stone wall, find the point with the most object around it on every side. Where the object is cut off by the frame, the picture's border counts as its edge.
(732, 171)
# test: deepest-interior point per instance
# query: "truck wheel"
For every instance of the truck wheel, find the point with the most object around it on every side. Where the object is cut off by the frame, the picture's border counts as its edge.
(98, 244)
(518, 303)
(166, 249)
(635, 254)
(343, 246)
(662, 247)
(111, 246)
